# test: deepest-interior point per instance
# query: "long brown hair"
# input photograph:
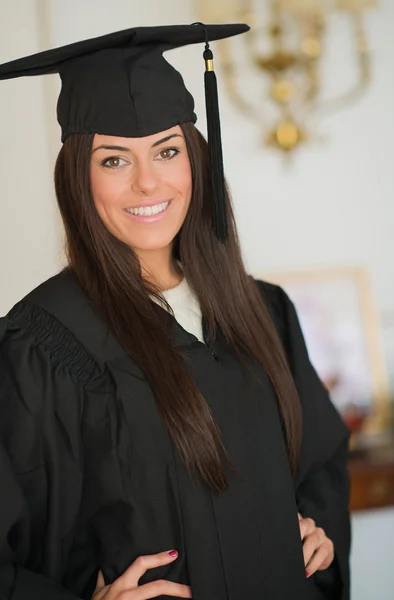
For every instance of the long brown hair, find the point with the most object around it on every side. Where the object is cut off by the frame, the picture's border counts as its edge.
(109, 273)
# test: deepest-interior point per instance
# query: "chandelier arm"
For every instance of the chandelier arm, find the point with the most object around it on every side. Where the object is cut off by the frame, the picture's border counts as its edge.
(228, 70)
(364, 71)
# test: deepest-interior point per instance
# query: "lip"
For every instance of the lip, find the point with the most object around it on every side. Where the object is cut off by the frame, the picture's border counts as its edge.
(149, 218)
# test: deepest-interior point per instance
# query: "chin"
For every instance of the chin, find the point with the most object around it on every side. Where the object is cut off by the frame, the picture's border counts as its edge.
(152, 242)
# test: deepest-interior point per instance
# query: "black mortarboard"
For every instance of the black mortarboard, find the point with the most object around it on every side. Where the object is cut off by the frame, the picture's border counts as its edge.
(120, 84)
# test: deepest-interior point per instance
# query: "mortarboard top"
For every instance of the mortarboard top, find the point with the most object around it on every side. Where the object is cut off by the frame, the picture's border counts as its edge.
(120, 84)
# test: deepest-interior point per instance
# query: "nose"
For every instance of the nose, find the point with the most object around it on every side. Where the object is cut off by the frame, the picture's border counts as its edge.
(144, 178)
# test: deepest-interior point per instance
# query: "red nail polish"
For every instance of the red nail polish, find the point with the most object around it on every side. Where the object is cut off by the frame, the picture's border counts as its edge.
(307, 574)
(173, 553)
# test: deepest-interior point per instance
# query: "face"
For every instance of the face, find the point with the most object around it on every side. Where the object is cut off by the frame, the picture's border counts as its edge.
(151, 174)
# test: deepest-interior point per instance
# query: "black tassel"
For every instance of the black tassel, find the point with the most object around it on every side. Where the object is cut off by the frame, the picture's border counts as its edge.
(219, 212)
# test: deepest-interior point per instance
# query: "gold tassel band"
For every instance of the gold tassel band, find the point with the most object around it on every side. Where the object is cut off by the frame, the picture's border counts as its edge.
(209, 65)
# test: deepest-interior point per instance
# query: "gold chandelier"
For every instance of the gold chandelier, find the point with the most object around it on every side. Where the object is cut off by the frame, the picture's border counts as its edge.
(286, 47)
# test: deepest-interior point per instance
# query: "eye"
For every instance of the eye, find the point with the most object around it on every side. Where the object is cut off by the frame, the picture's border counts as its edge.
(168, 153)
(113, 162)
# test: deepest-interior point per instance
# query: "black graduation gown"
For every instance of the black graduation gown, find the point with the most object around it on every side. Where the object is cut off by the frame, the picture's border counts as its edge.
(89, 478)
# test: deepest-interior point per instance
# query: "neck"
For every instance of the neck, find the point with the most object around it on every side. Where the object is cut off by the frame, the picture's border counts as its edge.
(160, 268)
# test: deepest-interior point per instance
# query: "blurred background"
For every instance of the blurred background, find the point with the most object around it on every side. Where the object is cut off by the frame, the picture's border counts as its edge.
(307, 117)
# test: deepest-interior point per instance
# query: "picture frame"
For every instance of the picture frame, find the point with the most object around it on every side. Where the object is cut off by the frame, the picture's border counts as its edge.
(340, 323)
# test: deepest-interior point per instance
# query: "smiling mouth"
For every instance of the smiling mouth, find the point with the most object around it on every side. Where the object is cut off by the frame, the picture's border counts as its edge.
(148, 211)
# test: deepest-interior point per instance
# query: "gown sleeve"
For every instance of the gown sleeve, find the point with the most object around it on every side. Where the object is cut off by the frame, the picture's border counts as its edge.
(322, 481)
(30, 565)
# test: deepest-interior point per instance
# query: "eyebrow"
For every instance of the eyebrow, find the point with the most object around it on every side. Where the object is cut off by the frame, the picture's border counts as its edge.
(169, 137)
(125, 149)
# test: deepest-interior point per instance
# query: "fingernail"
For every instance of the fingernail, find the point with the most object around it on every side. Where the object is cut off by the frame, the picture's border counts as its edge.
(173, 553)
(307, 574)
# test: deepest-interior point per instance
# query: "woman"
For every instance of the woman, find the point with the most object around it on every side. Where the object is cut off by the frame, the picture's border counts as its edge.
(163, 432)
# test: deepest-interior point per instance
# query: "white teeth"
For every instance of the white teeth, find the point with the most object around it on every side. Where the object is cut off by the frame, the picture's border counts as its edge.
(148, 211)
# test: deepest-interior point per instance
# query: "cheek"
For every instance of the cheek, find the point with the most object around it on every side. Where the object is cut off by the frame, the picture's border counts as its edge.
(183, 180)
(106, 190)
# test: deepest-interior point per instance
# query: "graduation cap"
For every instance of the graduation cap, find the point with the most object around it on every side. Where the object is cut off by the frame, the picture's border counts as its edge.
(120, 84)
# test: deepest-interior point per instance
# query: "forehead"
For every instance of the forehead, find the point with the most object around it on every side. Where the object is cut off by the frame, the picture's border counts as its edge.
(130, 142)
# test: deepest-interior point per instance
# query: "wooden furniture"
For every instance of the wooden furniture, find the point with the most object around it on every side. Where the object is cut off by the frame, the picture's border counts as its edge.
(372, 478)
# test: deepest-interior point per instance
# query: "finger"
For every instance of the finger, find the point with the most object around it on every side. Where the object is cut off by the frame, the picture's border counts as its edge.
(138, 568)
(312, 543)
(100, 582)
(299, 517)
(161, 588)
(328, 544)
(317, 561)
(307, 526)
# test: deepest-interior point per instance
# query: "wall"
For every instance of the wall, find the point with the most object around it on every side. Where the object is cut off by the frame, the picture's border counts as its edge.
(29, 236)
(372, 555)
(331, 206)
